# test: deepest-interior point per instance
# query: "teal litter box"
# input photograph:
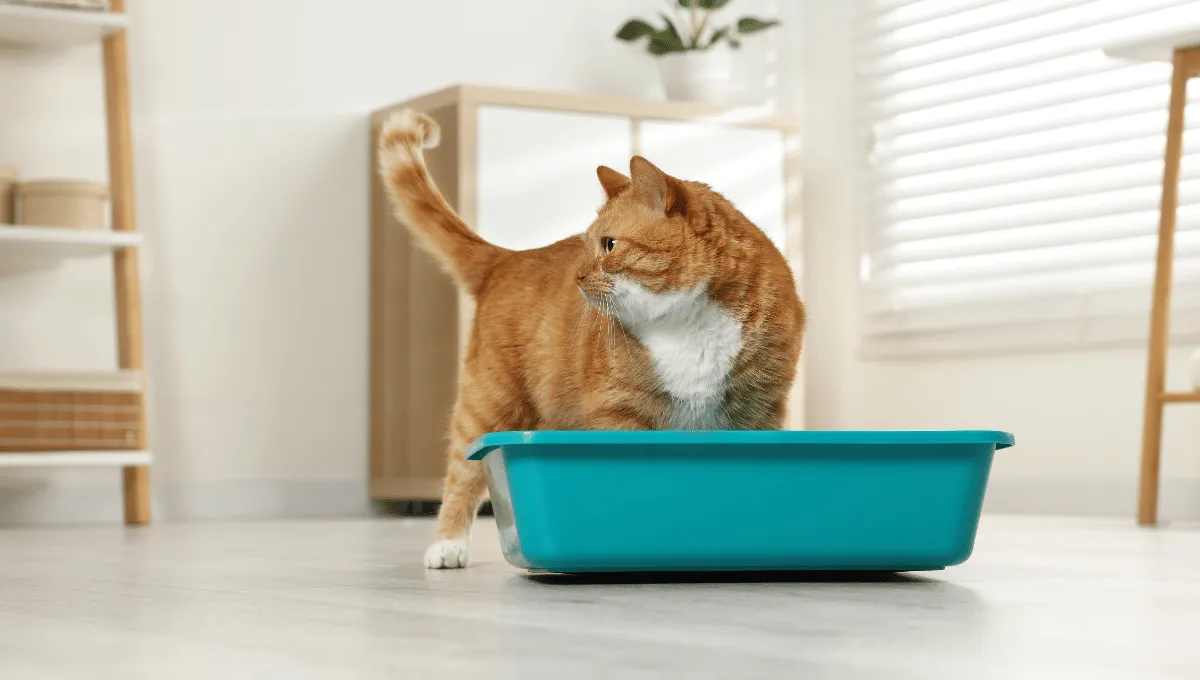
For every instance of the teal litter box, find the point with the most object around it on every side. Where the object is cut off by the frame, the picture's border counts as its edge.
(737, 500)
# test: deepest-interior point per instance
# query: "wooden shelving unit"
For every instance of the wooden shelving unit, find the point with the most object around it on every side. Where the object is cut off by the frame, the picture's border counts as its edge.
(27, 248)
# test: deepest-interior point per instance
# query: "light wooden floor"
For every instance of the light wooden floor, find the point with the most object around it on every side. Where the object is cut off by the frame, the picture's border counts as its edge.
(1041, 598)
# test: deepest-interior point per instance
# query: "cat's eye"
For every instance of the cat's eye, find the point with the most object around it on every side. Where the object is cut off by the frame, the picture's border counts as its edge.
(608, 244)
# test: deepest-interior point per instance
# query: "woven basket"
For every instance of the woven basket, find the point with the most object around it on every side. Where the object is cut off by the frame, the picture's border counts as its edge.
(62, 203)
(69, 413)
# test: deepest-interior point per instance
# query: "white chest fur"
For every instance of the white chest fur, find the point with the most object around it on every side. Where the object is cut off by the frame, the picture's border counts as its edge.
(692, 343)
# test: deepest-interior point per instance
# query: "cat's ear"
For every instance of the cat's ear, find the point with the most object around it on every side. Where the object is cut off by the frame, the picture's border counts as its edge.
(657, 189)
(612, 181)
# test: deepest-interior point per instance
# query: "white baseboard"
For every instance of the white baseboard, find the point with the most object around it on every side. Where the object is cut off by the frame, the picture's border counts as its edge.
(24, 504)
(1179, 499)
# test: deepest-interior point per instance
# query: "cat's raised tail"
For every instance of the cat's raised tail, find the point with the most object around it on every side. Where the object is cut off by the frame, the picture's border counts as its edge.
(419, 204)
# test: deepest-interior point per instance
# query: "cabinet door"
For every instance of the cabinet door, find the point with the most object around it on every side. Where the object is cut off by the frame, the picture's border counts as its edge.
(536, 172)
(744, 164)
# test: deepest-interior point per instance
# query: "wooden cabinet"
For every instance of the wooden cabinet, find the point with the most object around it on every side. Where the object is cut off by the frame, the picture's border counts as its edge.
(535, 171)
(520, 168)
(745, 164)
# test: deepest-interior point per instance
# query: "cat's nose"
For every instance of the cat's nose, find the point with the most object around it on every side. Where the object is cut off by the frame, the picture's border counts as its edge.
(580, 277)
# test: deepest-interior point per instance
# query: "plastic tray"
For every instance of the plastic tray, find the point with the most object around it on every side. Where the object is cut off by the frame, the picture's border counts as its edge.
(737, 500)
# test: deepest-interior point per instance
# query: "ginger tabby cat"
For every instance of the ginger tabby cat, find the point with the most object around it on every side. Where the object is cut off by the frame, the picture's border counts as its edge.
(672, 311)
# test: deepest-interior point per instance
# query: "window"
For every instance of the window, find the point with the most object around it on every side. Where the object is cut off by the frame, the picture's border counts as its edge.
(1013, 184)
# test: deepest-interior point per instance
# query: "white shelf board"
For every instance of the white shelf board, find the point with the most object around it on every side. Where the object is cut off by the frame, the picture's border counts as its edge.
(75, 459)
(1159, 47)
(27, 26)
(25, 248)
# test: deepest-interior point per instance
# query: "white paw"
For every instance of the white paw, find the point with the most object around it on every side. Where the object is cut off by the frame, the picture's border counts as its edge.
(452, 553)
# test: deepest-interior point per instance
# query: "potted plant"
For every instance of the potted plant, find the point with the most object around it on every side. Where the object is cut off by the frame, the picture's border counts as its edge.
(694, 53)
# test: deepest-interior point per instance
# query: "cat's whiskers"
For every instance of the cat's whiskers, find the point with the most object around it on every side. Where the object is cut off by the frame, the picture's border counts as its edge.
(583, 313)
(597, 318)
(617, 297)
(614, 326)
(606, 302)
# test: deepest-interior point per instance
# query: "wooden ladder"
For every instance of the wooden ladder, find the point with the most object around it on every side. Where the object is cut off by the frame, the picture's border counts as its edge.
(1186, 64)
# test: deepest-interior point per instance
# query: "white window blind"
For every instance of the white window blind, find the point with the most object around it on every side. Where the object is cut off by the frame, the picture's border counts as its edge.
(1014, 178)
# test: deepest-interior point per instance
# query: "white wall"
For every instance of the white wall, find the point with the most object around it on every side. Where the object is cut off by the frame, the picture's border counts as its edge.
(251, 160)
(1077, 415)
(251, 133)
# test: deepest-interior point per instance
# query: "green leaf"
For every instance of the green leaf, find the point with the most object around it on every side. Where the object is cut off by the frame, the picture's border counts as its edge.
(635, 29)
(717, 36)
(670, 31)
(753, 25)
(659, 49)
(706, 5)
(664, 41)
(670, 24)
(735, 44)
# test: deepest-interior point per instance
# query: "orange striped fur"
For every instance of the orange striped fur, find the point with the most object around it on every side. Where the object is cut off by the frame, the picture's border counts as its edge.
(671, 311)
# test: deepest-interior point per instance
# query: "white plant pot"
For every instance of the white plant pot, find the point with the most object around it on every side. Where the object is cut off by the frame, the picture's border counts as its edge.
(698, 75)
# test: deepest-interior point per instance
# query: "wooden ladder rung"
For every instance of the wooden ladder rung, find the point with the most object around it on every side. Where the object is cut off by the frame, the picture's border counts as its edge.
(1179, 397)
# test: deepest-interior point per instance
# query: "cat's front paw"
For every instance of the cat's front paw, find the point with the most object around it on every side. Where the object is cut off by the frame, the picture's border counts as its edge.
(449, 553)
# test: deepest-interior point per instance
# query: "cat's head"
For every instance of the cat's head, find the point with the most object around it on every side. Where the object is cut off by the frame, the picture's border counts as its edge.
(648, 250)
